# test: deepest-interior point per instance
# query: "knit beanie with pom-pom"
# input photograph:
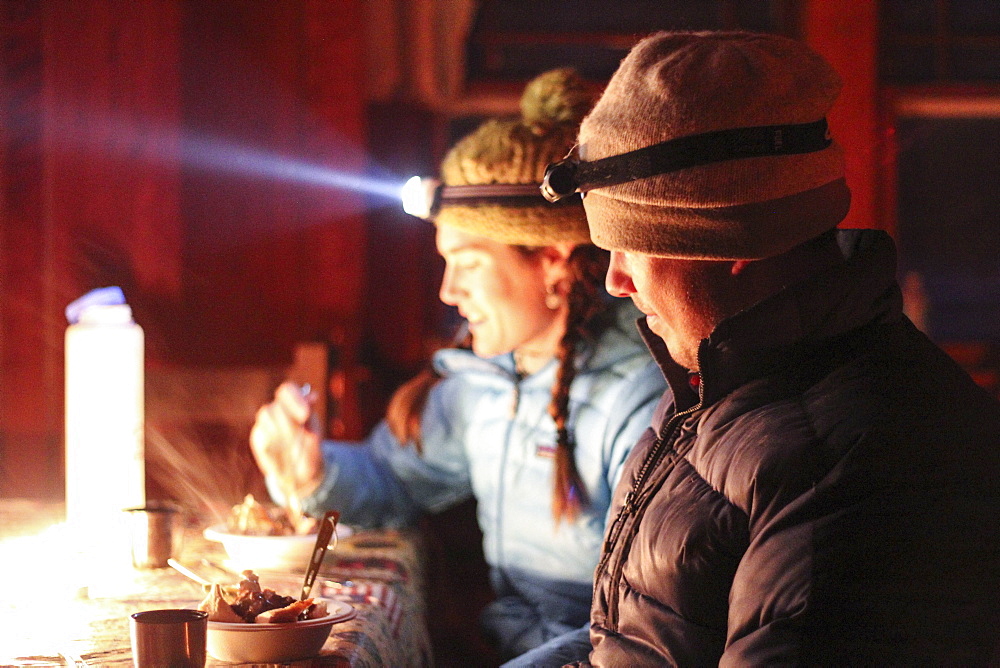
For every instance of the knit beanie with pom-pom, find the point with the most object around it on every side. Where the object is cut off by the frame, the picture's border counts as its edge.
(517, 151)
(679, 84)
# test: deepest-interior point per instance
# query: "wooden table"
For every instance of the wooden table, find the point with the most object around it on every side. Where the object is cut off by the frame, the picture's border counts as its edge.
(49, 621)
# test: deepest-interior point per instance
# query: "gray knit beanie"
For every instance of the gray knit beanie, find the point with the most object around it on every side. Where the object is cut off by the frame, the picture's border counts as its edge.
(674, 85)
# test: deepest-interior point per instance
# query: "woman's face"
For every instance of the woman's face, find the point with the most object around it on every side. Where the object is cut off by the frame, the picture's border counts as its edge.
(501, 291)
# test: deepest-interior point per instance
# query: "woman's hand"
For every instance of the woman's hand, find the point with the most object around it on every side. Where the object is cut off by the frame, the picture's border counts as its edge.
(285, 441)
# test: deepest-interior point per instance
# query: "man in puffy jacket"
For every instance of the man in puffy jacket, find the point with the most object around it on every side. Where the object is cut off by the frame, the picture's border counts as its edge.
(823, 490)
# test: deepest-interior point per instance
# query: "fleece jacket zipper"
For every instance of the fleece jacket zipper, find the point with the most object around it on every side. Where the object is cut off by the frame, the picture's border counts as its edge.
(635, 503)
(514, 406)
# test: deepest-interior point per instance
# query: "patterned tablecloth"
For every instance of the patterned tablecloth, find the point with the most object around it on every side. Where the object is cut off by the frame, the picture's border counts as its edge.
(378, 572)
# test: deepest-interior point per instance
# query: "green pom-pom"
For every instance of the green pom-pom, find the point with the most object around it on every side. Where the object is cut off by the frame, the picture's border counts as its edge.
(508, 150)
(555, 97)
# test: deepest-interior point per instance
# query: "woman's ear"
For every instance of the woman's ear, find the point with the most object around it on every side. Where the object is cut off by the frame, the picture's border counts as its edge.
(555, 262)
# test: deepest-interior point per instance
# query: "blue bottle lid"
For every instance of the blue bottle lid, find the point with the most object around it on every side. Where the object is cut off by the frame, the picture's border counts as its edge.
(110, 296)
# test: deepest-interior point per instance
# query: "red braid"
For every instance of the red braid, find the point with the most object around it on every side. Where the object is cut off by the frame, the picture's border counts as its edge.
(588, 317)
(406, 407)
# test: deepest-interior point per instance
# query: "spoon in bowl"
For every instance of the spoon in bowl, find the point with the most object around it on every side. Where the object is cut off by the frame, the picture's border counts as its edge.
(327, 530)
(184, 570)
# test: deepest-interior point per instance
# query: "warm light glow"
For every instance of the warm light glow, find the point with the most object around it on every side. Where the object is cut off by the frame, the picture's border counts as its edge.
(45, 609)
(41, 562)
(37, 606)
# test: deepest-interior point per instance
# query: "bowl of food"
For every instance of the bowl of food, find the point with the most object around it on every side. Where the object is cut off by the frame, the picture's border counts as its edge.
(263, 537)
(268, 552)
(251, 624)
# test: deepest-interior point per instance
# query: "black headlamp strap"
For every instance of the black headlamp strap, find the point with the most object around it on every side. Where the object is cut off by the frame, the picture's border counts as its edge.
(504, 194)
(702, 149)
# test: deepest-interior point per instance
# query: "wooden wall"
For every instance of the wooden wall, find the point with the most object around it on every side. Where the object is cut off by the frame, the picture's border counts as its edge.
(129, 136)
(845, 33)
(135, 144)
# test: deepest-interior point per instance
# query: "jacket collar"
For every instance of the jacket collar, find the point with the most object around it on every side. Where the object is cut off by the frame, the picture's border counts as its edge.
(619, 342)
(785, 328)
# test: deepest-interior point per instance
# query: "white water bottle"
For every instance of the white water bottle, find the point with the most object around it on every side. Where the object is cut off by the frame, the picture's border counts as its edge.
(105, 414)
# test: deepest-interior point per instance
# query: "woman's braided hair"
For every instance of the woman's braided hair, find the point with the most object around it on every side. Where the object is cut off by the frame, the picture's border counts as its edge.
(517, 151)
(589, 315)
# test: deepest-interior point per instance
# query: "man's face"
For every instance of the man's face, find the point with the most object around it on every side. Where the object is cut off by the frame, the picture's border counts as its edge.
(679, 297)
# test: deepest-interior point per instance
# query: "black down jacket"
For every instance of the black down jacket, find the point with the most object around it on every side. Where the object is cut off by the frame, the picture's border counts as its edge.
(830, 495)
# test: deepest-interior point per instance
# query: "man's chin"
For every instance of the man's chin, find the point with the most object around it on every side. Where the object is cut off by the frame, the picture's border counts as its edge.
(687, 359)
(656, 326)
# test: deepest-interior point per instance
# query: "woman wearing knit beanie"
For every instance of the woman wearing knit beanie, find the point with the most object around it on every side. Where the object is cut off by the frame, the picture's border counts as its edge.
(533, 413)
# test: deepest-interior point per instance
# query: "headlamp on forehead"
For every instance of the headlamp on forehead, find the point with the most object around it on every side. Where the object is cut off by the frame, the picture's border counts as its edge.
(560, 180)
(423, 197)
(572, 175)
(420, 196)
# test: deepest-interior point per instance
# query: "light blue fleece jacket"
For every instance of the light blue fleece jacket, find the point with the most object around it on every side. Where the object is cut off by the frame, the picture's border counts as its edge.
(488, 433)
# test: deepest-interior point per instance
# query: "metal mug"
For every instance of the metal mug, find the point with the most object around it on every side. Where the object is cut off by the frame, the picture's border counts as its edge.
(155, 534)
(174, 638)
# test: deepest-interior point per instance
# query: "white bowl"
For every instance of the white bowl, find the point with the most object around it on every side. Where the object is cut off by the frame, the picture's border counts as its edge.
(274, 643)
(261, 553)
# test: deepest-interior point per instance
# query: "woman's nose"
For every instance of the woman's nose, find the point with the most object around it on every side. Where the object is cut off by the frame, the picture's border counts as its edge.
(618, 281)
(447, 293)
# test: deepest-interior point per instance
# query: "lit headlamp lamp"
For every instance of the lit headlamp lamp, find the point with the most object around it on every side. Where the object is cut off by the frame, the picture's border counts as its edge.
(422, 197)
(570, 176)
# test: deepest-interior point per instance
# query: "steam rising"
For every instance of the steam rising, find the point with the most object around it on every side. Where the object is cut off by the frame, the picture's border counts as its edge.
(206, 482)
